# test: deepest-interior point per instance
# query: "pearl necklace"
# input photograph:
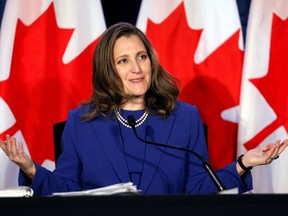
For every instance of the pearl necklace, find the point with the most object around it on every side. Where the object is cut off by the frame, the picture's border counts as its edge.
(124, 122)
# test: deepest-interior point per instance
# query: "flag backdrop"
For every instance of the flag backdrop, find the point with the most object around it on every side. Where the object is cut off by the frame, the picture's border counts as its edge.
(264, 92)
(45, 67)
(46, 64)
(203, 48)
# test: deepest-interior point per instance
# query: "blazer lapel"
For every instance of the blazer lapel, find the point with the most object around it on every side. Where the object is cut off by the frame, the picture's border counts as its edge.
(158, 131)
(108, 133)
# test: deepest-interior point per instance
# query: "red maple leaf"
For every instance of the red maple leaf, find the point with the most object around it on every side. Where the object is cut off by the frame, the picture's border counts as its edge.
(213, 85)
(272, 86)
(42, 89)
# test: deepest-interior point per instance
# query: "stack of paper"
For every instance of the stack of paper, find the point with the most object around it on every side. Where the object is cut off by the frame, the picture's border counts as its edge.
(21, 191)
(121, 188)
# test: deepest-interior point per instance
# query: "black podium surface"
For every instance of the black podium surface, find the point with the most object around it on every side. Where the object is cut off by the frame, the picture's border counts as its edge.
(147, 205)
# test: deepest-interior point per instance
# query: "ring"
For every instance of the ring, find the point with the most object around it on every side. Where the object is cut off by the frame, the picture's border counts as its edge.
(275, 157)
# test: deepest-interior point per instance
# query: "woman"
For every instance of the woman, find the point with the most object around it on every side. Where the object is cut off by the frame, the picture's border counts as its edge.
(99, 147)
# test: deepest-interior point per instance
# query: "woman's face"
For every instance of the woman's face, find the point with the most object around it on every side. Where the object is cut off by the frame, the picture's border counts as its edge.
(132, 65)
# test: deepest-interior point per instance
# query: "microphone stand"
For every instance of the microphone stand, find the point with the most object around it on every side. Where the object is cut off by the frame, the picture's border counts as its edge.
(210, 171)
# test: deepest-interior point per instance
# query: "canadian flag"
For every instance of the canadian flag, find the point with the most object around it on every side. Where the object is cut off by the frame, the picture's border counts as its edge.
(46, 50)
(264, 92)
(201, 43)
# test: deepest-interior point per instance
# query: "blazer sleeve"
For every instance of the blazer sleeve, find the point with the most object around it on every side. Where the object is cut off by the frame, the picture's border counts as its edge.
(66, 177)
(198, 180)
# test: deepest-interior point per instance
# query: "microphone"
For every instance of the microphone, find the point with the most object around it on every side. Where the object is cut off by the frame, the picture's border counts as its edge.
(210, 171)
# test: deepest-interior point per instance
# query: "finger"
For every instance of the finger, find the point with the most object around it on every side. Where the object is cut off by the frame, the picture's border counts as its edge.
(269, 160)
(21, 152)
(282, 146)
(8, 144)
(272, 153)
(275, 154)
(3, 145)
(13, 148)
(267, 147)
(277, 151)
(1, 142)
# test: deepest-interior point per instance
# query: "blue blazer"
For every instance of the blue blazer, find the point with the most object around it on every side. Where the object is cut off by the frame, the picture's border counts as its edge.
(92, 157)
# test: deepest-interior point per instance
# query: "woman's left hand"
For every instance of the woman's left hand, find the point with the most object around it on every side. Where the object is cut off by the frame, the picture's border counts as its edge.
(263, 155)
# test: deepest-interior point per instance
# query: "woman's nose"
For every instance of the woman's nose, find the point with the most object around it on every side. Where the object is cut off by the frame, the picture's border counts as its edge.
(135, 67)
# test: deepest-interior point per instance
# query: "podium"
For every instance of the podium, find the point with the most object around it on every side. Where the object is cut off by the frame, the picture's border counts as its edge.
(176, 205)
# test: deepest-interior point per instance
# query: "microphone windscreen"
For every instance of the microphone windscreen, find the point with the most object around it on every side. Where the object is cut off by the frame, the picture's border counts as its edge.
(131, 121)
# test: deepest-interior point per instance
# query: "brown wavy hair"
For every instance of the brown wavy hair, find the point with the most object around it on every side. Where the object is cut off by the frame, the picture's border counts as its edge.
(108, 90)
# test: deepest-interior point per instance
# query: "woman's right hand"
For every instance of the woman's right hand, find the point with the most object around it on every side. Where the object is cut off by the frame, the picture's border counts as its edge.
(18, 156)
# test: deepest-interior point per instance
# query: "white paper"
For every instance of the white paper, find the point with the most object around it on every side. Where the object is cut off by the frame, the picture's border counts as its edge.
(121, 188)
(230, 191)
(21, 191)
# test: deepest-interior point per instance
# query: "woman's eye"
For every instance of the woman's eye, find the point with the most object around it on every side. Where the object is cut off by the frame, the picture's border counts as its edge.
(121, 61)
(142, 57)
